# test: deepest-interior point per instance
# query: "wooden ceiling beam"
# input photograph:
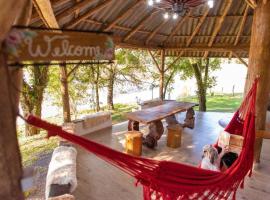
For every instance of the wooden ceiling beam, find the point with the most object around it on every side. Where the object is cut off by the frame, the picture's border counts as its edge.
(126, 11)
(175, 29)
(154, 32)
(135, 44)
(91, 11)
(219, 23)
(244, 19)
(241, 28)
(162, 35)
(139, 25)
(220, 48)
(155, 61)
(45, 11)
(240, 59)
(252, 3)
(55, 3)
(173, 62)
(196, 30)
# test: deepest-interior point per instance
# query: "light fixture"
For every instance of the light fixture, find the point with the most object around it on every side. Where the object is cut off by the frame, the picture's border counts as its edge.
(175, 16)
(166, 15)
(210, 3)
(177, 8)
(150, 2)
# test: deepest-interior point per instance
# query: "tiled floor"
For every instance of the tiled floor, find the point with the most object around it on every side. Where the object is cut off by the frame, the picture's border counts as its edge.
(98, 180)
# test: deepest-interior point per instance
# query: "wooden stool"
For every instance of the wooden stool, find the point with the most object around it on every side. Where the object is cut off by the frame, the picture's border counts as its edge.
(133, 143)
(174, 136)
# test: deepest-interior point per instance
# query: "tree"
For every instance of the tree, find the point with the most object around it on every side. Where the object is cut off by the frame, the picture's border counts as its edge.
(163, 66)
(95, 74)
(110, 87)
(74, 88)
(201, 70)
(174, 68)
(35, 81)
(127, 68)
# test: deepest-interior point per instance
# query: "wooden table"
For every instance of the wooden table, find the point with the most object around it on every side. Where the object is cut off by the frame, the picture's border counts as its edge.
(153, 116)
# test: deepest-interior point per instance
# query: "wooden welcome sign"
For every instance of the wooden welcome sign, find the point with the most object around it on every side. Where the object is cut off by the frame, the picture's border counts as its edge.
(23, 44)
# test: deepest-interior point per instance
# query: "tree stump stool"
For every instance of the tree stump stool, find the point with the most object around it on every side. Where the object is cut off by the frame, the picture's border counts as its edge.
(174, 136)
(133, 144)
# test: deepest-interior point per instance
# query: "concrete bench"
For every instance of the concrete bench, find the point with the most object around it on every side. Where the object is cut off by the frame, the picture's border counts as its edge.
(61, 177)
(90, 123)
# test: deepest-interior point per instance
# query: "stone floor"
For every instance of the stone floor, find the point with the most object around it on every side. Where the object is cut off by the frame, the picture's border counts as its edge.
(98, 180)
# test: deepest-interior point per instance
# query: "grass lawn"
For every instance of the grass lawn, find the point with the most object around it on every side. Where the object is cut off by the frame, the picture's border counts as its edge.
(118, 114)
(219, 103)
(32, 146)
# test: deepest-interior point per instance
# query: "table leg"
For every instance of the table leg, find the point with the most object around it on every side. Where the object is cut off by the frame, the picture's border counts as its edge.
(133, 125)
(156, 130)
(171, 120)
(190, 119)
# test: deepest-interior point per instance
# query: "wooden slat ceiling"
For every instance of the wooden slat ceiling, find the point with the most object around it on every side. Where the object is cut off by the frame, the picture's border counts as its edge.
(222, 31)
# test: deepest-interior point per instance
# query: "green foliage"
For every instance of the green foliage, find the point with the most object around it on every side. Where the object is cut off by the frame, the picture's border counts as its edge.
(77, 87)
(129, 69)
(35, 79)
(187, 70)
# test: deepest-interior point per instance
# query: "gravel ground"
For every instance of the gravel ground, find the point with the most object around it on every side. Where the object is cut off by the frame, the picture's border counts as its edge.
(41, 168)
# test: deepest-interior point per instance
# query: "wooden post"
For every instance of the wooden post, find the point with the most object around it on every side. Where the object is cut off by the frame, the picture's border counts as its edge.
(64, 92)
(259, 64)
(162, 75)
(10, 160)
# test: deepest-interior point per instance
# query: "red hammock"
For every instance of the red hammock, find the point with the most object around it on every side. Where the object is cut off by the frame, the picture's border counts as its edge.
(174, 181)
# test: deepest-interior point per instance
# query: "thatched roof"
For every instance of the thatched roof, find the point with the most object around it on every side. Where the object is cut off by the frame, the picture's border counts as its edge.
(223, 31)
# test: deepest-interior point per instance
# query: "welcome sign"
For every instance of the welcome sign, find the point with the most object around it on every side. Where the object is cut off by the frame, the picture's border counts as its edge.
(23, 44)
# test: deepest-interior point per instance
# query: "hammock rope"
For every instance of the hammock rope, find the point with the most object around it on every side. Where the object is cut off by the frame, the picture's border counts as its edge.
(168, 180)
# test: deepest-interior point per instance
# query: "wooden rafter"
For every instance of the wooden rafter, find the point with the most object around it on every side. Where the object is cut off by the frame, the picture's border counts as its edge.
(220, 48)
(241, 28)
(239, 58)
(218, 25)
(176, 28)
(173, 62)
(163, 35)
(88, 14)
(55, 3)
(196, 30)
(77, 11)
(45, 11)
(154, 32)
(244, 19)
(154, 59)
(139, 25)
(252, 3)
(126, 11)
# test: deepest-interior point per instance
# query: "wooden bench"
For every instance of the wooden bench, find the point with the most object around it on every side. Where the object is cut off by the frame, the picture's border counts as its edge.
(90, 123)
